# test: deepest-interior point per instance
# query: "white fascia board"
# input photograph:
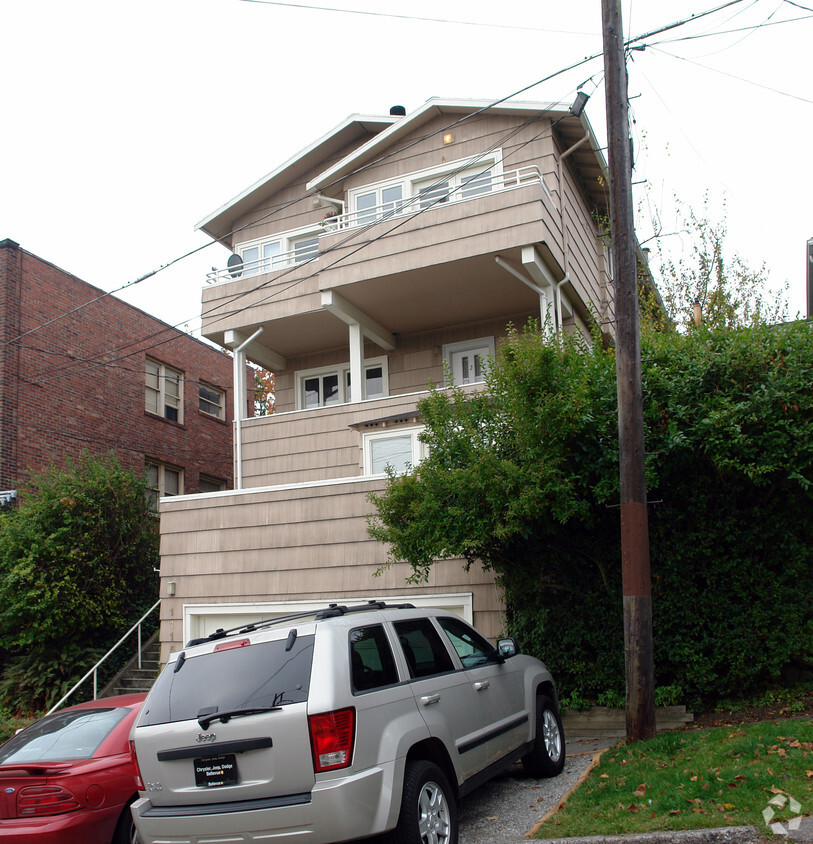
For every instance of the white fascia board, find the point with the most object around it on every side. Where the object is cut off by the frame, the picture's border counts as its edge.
(279, 171)
(405, 124)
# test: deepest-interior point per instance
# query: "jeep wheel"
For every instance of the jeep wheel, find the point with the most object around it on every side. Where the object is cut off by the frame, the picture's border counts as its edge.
(428, 807)
(547, 757)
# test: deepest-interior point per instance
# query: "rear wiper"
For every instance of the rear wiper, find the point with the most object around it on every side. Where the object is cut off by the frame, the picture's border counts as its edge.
(205, 718)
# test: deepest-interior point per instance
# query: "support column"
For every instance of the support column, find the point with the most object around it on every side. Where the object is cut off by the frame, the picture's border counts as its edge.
(357, 380)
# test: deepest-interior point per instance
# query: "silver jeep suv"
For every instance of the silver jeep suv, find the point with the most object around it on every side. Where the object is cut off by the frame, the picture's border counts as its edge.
(335, 725)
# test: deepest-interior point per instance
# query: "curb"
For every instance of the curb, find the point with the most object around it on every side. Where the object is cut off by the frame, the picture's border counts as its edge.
(724, 835)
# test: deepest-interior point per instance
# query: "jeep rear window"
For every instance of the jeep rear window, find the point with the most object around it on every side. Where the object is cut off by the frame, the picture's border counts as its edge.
(258, 675)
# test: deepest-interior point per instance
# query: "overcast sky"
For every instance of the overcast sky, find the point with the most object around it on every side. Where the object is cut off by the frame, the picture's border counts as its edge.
(125, 124)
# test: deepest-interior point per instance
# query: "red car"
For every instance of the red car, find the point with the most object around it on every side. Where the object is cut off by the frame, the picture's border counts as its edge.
(68, 778)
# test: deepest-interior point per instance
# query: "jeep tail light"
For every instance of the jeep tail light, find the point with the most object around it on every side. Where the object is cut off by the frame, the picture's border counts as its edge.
(332, 736)
(139, 781)
(37, 800)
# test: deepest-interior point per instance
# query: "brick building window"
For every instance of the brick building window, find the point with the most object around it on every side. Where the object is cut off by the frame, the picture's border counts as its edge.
(208, 484)
(212, 401)
(164, 391)
(162, 481)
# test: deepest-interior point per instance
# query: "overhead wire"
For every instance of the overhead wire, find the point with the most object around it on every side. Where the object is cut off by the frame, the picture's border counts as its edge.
(630, 41)
(670, 26)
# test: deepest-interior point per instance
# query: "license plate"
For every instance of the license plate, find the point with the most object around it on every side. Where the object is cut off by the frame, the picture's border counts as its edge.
(213, 771)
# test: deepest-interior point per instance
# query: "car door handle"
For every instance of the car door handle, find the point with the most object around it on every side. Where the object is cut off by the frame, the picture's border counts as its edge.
(427, 700)
(480, 686)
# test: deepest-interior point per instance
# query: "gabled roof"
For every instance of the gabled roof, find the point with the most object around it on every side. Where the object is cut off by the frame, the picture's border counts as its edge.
(357, 127)
(588, 158)
(385, 132)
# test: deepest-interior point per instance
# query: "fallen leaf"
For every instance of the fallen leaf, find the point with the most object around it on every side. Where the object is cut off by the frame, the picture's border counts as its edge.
(740, 777)
(604, 776)
(675, 812)
(640, 791)
(774, 790)
(694, 778)
(632, 808)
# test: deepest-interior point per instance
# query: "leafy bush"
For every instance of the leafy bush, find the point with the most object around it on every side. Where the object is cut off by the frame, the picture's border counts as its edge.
(76, 569)
(523, 478)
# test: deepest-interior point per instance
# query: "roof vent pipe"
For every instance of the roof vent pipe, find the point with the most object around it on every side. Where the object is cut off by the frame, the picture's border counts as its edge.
(397, 111)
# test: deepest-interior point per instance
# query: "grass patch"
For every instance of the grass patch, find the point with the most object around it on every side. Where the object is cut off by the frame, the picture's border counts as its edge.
(694, 779)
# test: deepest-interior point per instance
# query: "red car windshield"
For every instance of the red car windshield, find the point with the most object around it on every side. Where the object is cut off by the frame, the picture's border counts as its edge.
(63, 736)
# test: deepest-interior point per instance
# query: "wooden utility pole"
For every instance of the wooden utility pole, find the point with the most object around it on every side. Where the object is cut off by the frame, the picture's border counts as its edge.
(638, 651)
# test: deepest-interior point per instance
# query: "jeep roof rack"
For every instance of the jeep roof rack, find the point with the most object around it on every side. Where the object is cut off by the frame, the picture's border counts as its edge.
(331, 611)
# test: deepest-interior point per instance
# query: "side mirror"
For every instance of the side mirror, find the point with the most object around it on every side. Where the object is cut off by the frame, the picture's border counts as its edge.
(507, 647)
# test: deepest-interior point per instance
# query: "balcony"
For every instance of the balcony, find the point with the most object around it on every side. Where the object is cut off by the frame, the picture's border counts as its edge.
(415, 264)
(257, 258)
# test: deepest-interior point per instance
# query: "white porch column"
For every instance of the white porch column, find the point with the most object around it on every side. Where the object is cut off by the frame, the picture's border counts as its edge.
(358, 386)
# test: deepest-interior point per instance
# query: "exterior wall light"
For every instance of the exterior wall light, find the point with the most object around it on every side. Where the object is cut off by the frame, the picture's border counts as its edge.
(171, 588)
(448, 138)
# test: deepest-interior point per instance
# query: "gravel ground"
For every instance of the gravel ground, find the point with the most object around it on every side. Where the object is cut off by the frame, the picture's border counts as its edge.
(503, 810)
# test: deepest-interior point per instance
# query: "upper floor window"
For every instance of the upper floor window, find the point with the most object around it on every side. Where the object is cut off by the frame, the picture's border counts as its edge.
(467, 361)
(276, 252)
(162, 481)
(331, 385)
(164, 391)
(211, 401)
(451, 182)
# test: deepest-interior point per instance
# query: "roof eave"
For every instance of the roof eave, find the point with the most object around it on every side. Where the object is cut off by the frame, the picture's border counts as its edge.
(218, 224)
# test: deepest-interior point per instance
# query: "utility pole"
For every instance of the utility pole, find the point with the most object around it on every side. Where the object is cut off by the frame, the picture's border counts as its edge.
(636, 583)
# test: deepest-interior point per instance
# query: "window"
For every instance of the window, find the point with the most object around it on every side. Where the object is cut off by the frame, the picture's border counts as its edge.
(164, 391)
(211, 400)
(423, 648)
(470, 646)
(162, 481)
(262, 256)
(453, 181)
(207, 484)
(331, 385)
(467, 361)
(371, 660)
(398, 449)
(377, 202)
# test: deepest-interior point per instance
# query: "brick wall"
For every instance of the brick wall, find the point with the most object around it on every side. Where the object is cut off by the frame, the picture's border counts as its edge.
(78, 383)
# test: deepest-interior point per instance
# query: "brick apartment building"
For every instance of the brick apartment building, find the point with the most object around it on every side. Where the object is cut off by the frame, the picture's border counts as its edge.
(83, 371)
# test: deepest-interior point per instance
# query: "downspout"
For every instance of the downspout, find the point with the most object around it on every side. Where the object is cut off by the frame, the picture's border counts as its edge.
(565, 239)
(558, 294)
(240, 405)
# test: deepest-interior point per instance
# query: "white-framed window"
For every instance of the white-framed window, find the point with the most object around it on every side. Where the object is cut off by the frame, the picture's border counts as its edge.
(163, 391)
(450, 182)
(467, 361)
(211, 401)
(162, 481)
(331, 384)
(397, 448)
(277, 251)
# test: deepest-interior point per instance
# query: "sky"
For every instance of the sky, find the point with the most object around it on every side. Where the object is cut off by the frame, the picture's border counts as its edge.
(125, 124)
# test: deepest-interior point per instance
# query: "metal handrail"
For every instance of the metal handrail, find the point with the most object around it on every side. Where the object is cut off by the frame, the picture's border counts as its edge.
(136, 626)
(471, 188)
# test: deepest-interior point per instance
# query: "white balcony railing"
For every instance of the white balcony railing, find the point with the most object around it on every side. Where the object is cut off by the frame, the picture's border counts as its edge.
(436, 194)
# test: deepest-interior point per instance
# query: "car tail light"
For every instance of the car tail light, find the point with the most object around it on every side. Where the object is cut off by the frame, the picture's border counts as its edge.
(139, 782)
(237, 643)
(332, 735)
(34, 800)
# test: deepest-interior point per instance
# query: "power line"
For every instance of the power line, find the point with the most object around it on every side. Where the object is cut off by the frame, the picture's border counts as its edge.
(417, 18)
(363, 167)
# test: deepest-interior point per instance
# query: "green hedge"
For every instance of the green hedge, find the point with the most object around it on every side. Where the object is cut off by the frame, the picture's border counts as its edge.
(524, 479)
